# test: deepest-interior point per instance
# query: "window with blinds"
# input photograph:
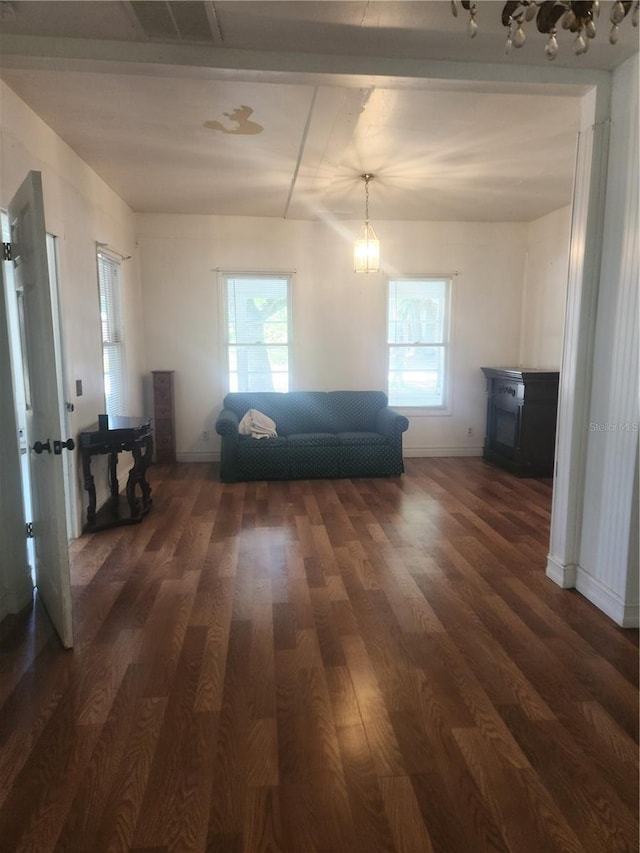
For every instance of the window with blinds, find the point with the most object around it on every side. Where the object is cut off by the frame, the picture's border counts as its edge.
(112, 342)
(418, 341)
(257, 331)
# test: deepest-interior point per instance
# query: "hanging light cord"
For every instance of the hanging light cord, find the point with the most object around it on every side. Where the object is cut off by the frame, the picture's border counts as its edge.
(367, 245)
(366, 178)
(366, 199)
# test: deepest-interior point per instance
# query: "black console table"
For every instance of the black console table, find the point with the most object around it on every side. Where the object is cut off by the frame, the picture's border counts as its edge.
(131, 434)
(521, 419)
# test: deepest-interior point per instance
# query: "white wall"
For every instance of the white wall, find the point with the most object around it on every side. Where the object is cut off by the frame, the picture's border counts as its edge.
(545, 290)
(339, 318)
(80, 210)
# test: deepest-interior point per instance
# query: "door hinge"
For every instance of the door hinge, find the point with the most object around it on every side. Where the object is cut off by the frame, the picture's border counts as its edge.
(7, 254)
(29, 529)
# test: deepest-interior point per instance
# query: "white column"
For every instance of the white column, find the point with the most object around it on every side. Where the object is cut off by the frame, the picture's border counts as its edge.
(594, 524)
(610, 518)
(577, 356)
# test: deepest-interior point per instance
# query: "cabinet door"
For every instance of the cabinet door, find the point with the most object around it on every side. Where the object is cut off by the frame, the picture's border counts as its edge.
(505, 411)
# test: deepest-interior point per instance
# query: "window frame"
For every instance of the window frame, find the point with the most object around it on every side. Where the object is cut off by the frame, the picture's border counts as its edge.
(425, 408)
(224, 277)
(112, 294)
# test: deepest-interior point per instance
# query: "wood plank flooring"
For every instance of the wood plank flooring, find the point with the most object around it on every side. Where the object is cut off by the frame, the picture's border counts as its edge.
(351, 666)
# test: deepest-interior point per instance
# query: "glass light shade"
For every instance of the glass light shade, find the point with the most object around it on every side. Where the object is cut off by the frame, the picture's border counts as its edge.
(366, 250)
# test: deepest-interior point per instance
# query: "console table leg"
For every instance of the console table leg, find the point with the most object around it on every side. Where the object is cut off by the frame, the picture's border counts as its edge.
(90, 486)
(145, 461)
(113, 475)
(132, 481)
(142, 453)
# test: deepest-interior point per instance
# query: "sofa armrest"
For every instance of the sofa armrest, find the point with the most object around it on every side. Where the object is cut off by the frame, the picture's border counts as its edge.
(227, 423)
(391, 423)
(227, 427)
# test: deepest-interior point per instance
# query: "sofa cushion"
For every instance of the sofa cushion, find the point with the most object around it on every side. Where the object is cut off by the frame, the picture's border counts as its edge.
(353, 411)
(293, 412)
(362, 439)
(313, 439)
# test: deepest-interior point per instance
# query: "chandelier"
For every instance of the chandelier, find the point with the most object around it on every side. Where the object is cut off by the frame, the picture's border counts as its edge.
(366, 249)
(577, 16)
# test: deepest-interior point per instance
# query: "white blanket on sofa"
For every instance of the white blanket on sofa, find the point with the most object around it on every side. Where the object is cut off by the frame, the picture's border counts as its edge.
(257, 425)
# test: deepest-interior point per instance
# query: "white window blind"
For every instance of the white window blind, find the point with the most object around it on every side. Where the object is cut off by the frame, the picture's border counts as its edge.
(418, 341)
(257, 332)
(112, 343)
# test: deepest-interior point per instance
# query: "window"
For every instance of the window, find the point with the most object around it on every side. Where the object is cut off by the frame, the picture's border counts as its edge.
(112, 345)
(418, 340)
(257, 332)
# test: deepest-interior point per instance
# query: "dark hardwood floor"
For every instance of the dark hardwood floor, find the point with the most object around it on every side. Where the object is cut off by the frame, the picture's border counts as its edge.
(349, 666)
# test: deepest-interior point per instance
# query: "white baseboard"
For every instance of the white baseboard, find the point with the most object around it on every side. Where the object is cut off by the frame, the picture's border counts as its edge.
(564, 576)
(418, 452)
(198, 456)
(605, 599)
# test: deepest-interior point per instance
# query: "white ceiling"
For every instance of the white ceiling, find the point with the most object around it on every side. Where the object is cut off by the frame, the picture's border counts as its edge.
(148, 93)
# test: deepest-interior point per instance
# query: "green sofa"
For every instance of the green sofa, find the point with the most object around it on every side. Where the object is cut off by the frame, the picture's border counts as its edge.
(320, 434)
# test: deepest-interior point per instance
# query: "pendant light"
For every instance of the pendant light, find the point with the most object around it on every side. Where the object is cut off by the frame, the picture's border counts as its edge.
(366, 249)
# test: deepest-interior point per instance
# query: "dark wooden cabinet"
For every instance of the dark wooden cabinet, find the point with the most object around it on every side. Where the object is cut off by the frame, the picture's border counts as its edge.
(522, 406)
(164, 429)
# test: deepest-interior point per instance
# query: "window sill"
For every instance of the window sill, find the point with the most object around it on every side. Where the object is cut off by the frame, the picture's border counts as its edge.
(423, 411)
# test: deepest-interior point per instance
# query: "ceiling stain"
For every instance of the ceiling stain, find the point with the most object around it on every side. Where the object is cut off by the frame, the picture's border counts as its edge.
(239, 117)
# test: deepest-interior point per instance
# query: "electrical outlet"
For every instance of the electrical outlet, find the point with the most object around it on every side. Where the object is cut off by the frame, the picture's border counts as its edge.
(469, 430)
(205, 435)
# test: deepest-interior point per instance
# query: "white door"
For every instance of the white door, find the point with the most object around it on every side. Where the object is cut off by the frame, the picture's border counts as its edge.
(15, 578)
(29, 255)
